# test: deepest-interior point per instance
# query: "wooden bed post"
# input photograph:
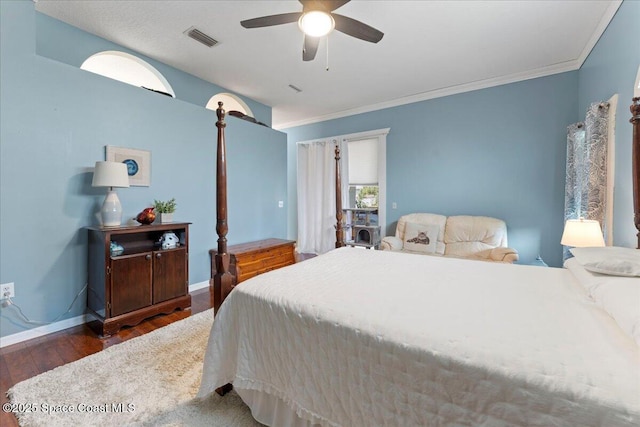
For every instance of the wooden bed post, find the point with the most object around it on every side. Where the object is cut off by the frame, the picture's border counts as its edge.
(222, 279)
(635, 156)
(339, 230)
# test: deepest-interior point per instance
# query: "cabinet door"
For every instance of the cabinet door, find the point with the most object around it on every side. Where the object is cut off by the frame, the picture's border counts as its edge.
(130, 283)
(169, 274)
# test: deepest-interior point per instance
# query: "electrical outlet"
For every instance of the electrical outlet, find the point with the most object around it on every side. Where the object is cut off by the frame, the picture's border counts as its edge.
(280, 203)
(7, 291)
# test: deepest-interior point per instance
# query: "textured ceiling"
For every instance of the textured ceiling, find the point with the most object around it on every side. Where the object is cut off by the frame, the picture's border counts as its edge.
(430, 48)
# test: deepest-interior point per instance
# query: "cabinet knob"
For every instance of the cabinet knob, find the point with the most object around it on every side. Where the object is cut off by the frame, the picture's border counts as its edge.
(158, 255)
(148, 257)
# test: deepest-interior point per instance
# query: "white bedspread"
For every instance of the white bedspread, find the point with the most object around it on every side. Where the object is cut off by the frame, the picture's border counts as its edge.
(362, 338)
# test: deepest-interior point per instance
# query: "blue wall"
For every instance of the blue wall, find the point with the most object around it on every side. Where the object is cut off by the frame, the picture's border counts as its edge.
(611, 68)
(56, 120)
(498, 152)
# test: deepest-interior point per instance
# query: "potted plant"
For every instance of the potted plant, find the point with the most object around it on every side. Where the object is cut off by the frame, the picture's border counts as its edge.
(165, 209)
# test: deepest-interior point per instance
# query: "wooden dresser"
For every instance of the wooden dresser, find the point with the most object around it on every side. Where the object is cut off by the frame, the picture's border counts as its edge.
(253, 258)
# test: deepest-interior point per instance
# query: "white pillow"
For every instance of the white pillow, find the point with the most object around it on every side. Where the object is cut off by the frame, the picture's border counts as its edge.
(420, 237)
(587, 279)
(618, 296)
(612, 260)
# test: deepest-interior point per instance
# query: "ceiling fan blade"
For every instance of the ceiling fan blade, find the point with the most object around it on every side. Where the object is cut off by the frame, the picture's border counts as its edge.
(268, 21)
(310, 47)
(326, 5)
(357, 29)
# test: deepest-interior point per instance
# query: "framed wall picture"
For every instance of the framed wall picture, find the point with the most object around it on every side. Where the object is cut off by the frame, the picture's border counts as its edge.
(138, 163)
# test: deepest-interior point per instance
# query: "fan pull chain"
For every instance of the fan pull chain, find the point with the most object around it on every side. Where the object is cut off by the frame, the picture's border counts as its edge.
(327, 69)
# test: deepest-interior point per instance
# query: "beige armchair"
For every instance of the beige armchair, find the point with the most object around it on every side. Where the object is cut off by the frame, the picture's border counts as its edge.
(474, 237)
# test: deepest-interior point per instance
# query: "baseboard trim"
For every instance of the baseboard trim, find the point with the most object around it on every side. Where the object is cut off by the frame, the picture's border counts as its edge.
(65, 324)
(198, 286)
(44, 330)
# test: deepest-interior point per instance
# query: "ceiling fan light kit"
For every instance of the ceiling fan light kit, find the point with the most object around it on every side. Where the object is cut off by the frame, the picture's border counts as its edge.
(317, 20)
(316, 23)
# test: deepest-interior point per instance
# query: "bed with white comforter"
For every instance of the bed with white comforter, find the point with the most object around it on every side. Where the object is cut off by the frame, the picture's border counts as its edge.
(363, 338)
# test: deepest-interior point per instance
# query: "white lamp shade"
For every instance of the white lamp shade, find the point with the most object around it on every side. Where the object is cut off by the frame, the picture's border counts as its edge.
(110, 174)
(581, 233)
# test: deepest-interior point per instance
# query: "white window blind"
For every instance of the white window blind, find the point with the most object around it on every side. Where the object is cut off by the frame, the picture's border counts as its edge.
(363, 162)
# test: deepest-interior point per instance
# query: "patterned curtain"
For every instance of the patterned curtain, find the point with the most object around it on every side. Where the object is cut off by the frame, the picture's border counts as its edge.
(586, 180)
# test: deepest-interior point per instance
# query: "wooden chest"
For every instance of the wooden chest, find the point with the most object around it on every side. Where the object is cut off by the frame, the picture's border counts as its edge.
(253, 258)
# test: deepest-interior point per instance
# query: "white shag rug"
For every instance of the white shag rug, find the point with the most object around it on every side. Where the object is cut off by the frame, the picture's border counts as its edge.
(150, 380)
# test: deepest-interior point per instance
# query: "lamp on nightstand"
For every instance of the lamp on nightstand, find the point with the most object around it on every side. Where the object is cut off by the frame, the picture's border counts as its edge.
(111, 174)
(581, 233)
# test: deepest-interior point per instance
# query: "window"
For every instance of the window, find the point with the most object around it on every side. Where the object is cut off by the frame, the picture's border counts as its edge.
(367, 171)
(363, 161)
(230, 103)
(129, 69)
(363, 176)
(366, 196)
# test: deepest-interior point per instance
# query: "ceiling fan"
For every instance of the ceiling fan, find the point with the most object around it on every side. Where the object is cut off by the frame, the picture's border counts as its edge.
(317, 20)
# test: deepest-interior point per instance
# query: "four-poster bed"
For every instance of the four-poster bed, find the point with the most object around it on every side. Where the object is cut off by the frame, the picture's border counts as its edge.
(635, 158)
(412, 340)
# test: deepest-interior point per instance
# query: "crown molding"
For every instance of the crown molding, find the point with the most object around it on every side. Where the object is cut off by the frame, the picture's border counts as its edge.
(438, 93)
(468, 87)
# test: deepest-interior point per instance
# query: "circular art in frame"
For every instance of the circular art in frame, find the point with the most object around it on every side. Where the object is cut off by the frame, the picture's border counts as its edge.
(138, 163)
(132, 166)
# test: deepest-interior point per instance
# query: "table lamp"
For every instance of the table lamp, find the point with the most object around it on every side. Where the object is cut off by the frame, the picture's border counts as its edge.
(111, 174)
(581, 233)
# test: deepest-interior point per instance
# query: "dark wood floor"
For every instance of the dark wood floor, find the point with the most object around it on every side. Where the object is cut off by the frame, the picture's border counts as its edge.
(29, 358)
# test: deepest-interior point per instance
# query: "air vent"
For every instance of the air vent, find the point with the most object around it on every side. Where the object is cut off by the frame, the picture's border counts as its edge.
(198, 35)
(297, 89)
